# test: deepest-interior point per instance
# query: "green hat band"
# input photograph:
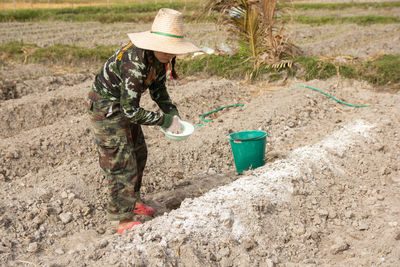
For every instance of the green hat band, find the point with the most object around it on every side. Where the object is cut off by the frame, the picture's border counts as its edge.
(169, 35)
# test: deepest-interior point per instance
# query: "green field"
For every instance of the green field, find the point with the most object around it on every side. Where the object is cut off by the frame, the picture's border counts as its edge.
(119, 13)
(51, 4)
(384, 70)
(144, 11)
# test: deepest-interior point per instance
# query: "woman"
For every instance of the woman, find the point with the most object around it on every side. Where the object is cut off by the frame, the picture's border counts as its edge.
(117, 117)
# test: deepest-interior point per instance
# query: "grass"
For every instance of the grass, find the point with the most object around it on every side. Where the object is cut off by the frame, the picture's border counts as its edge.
(382, 71)
(118, 11)
(123, 13)
(360, 20)
(59, 53)
(46, 4)
(315, 69)
(342, 6)
(146, 12)
(40, 4)
(222, 66)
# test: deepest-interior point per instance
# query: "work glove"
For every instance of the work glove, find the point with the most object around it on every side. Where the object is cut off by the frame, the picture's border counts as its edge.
(176, 126)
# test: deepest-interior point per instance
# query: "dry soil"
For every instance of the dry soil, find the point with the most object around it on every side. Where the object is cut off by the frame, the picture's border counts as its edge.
(328, 193)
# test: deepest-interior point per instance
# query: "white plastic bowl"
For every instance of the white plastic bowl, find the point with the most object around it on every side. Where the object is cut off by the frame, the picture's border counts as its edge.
(188, 129)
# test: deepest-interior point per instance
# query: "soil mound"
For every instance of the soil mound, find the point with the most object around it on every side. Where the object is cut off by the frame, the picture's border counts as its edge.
(326, 195)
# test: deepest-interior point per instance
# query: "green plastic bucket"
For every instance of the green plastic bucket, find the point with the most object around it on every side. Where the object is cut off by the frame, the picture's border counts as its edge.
(248, 149)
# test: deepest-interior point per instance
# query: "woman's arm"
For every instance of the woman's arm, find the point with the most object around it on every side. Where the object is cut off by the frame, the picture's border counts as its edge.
(159, 94)
(133, 73)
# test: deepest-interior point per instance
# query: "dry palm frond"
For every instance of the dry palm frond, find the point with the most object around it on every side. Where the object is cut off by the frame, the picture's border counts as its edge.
(28, 51)
(255, 22)
(252, 30)
(269, 7)
(245, 18)
(281, 64)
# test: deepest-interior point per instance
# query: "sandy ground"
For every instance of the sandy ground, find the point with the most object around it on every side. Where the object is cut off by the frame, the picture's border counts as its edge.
(341, 1)
(327, 40)
(328, 194)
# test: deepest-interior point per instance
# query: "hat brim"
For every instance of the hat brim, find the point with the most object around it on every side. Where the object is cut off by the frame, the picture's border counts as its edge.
(166, 44)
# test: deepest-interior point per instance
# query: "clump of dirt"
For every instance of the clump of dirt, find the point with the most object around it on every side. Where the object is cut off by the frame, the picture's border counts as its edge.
(28, 81)
(7, 89)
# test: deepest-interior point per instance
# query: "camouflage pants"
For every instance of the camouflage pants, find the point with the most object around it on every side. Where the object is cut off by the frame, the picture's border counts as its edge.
(122, 155)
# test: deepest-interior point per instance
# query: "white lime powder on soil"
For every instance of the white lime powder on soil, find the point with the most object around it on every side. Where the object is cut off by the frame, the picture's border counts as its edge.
(227, 209)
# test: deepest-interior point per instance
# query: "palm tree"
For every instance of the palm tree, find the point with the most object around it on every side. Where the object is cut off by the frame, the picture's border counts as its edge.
(255, 23)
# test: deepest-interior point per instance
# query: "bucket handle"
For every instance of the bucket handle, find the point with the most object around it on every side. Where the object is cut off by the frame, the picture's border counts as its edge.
(249, 139)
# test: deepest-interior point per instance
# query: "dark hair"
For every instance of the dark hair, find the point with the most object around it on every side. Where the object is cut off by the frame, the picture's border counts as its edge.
(173, 72)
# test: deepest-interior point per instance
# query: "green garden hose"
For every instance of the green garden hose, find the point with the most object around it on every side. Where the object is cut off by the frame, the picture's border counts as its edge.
(337, 100)
(305, 86)
(208, 113)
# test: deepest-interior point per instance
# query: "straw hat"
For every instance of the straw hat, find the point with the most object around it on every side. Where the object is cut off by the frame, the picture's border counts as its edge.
(166, 34)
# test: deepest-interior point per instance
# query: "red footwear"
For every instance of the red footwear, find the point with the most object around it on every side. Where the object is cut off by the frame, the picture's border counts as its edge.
(121, 230)
(144, 210)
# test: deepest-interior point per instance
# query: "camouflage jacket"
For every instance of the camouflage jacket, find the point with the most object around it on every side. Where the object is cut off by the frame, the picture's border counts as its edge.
(126, 75)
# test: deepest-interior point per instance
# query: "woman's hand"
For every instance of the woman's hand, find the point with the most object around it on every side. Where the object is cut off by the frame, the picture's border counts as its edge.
(176, 126)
